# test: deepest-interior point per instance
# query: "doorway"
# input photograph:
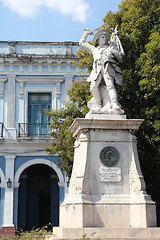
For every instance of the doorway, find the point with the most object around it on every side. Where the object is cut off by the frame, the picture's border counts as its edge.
(38, 203)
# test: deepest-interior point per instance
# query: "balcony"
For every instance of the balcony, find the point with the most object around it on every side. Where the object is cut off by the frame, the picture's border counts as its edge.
(1, 130)
(33, 130)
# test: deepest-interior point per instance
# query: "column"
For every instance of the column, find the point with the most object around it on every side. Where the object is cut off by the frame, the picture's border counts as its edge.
(2, 81)
(2, 196)
(15, 202)
(11, 107)
(68, 84)
(8, 201)
(61, 192)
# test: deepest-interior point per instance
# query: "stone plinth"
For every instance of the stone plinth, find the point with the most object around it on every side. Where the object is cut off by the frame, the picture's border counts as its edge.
(107, 233)
(107, 188)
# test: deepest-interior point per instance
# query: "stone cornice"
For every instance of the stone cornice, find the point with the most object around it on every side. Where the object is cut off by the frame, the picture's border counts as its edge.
(80, 124)
(40, 79)
(11, 58)
(38, 43)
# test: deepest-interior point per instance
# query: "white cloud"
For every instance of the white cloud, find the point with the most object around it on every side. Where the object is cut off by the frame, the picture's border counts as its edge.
(77, 9)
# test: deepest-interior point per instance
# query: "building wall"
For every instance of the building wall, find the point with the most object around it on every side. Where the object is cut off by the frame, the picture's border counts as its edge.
(29, 67)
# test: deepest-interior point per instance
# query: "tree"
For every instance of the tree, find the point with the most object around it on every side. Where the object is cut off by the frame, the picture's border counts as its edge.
(62, 119)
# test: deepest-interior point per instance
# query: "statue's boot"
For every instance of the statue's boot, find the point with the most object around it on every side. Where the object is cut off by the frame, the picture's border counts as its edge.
(116, 105)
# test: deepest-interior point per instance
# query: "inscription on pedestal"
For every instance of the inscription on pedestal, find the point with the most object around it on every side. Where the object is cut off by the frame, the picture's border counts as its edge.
(110, 174)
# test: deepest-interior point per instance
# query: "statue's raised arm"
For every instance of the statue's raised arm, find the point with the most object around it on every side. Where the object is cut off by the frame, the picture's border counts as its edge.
(83, 39)
(105, 74)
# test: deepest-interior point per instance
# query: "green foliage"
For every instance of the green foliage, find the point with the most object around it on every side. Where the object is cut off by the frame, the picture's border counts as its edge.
(86, 59)
(84, 237)
(61, 120)
(150, 66)
(80, 94)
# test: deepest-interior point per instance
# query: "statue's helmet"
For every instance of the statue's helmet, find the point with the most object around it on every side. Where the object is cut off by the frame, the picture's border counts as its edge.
(98, 34)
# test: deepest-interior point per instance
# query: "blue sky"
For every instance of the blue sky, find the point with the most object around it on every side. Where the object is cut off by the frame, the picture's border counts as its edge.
(51, 20)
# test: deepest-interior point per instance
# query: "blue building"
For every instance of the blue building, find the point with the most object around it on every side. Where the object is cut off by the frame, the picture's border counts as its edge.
(34, 76)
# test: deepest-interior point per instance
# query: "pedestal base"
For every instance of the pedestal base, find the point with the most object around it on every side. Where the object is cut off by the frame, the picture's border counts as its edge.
(105, 213)
(107, 188)
(106, 233)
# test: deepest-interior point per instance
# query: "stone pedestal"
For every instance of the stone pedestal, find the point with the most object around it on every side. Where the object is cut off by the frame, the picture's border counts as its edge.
(107, 188)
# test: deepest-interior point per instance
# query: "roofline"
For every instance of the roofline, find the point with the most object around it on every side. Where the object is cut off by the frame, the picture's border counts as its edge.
(39, 42)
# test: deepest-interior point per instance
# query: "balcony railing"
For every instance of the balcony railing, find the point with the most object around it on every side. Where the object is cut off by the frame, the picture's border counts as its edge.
(1, 130)
(33, 130)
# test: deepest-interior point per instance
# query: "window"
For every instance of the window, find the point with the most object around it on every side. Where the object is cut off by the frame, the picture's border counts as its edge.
(54, 68)
(73, 68)
(25, 67)
(15, 67)
(6, 67)
(35, 67)
(44, 68)
(63, 68)
(37, 119)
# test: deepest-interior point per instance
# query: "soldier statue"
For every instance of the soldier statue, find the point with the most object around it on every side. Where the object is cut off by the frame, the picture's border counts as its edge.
(105, 75)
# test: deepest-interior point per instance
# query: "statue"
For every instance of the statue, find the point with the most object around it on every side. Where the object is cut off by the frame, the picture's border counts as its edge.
(106, 75)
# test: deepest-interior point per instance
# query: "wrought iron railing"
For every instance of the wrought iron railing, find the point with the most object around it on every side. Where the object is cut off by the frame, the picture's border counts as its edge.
(34, 130)
(1, 130)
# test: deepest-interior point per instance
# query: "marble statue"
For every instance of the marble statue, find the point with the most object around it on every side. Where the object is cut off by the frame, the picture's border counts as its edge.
(106, 75)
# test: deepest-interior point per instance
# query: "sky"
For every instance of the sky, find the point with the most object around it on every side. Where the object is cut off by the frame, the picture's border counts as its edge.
(51, 20)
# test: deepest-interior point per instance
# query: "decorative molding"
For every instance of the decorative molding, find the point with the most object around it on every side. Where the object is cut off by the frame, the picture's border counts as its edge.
(3, 180)
(61, 184)
(10, 157)
(3, 185)
(2, 81)
(58, 91)
(11, 76)
(1, 89)
(40, 161)
(30, 79)
(84, 135)
(12, 49)
(16, 185)
(21, 90)
(86, 185)
(137, 183)
(38, 90)
(68, 50)
(69, 75)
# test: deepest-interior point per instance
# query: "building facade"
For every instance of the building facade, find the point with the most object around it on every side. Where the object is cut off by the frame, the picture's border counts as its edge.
(34, 76)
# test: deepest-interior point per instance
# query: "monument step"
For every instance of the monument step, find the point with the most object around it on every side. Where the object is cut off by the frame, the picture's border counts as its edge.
(93, 238)
(106, 233)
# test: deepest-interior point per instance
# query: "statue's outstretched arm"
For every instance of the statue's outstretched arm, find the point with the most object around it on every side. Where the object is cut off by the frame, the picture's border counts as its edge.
(87, 46)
